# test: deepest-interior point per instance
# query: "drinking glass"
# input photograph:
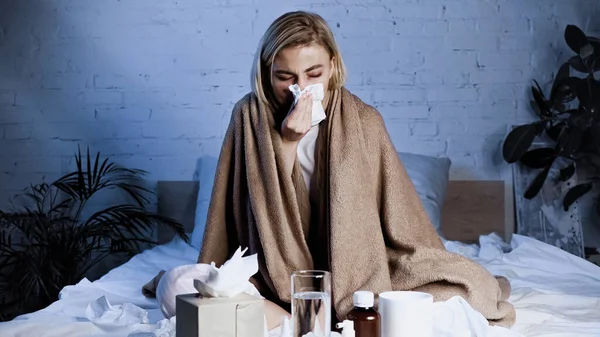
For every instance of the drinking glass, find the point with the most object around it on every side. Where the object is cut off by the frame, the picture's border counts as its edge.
(311, 303)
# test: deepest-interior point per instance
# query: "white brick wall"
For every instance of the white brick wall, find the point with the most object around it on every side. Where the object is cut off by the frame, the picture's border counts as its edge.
(153, 82)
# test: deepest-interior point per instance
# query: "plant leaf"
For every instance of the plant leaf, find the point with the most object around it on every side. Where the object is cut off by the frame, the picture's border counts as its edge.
(587, 90)
(540, 101)
(518, 142)
(575, 193)
(576, 63)
(536, 185)
(565, 90)
(567, 172)
(575, 38)
(536, 109)
(580, 119)
(586, 51)
(555, 130)
(569, 142)
(539, 158)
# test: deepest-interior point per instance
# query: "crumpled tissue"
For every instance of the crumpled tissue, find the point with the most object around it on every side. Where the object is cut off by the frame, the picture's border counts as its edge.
(227, 281)
(230, 279)
(101, 312)
(456, 318)
(165, 328)
(318, 94)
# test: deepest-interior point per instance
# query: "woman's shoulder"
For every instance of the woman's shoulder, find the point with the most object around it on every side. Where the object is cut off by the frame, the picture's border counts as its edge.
(243, 105)
(369, 115)
(245, 101)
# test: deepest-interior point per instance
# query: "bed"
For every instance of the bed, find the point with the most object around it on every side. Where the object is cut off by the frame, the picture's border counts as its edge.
(554, 293)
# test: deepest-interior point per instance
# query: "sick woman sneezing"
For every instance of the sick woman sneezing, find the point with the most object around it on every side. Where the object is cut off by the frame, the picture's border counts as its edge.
(330, 194)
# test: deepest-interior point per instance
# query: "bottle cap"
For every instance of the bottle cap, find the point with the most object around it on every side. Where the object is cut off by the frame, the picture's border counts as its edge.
(363, 299)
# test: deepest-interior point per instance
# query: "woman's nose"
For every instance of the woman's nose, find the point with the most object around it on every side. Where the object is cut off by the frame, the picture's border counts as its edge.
(302, 84)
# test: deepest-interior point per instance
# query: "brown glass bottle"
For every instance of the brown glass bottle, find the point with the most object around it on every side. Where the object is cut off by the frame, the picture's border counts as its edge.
(366, 319)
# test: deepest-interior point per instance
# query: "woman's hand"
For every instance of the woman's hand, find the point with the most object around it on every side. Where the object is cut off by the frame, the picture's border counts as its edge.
(295, 126)
(298, 121)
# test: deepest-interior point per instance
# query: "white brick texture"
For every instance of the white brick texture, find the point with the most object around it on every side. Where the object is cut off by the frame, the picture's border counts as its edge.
(152, 82)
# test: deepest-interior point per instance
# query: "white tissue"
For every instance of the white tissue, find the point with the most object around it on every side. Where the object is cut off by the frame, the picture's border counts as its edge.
(207, 280)
(165, 328)
(318, 94)
(456, 318)
(177, 281)
(231, 278)
(101, 312)
(286, 329)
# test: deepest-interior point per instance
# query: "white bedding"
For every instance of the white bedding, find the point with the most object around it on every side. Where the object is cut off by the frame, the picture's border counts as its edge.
(554, 293)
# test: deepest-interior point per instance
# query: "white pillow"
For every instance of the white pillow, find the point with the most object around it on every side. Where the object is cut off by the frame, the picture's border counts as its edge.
(429, 175)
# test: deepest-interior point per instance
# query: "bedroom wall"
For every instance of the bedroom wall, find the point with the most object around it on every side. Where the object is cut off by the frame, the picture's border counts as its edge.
(152, 83)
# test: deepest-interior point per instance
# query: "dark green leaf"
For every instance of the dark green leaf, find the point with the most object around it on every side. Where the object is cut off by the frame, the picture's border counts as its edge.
(536, 109)
(591, 139)
(518, 142)
(587, 51)
(560, 107)
(569, 142)
(539, 88)
(576, 63)
(580, 119)
(539, 158)
(588, 93)
(575, 38)
(565, 90)
(595, 60)
(536, 185)
(575, 193)
(555, 130)
(540, 101)
(567, 172)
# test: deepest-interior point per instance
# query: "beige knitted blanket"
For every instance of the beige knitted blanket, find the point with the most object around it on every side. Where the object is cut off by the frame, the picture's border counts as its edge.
(377, 234)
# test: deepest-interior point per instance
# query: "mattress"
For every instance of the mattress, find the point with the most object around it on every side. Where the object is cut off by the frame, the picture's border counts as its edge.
(554, 293)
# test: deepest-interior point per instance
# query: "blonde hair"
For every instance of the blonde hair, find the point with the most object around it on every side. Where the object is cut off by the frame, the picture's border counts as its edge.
(293, 29)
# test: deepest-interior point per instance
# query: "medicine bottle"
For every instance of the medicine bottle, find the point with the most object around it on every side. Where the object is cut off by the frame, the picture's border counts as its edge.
(366, 319)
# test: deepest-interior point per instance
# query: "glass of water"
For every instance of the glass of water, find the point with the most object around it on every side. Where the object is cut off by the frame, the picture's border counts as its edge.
(311, 303)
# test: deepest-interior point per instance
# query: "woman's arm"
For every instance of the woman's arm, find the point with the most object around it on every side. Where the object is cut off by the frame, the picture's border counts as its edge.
(274, 313)
(289, 155)
(295, 126)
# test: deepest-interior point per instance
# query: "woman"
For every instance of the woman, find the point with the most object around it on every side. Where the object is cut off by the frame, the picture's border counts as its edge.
(333, 196)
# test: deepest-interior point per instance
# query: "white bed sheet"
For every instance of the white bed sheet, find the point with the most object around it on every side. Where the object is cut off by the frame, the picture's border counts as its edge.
(555, 294)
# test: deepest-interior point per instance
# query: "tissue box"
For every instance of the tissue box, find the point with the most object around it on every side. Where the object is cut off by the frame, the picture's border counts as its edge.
(238, 316)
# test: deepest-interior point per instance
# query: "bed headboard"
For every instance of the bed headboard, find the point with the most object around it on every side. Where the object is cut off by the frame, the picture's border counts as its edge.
(476, 207)
(472, 208)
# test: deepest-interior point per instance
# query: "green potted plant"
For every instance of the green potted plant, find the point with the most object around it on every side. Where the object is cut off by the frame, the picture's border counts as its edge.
(47, 243)
(569, 118)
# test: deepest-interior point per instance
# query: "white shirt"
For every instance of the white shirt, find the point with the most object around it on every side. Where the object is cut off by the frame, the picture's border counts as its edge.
(306, 154)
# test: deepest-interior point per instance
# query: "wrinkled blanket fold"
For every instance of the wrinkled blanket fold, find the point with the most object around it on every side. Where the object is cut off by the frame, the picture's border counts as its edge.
(379, 235)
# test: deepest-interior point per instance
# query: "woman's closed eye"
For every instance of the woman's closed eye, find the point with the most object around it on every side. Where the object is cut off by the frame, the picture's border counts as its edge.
(288, 78)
